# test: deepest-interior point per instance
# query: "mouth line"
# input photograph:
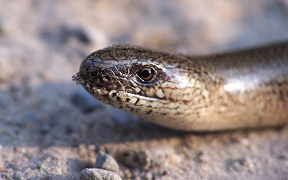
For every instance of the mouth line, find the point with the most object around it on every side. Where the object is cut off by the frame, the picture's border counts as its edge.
(103, 91)
(96, 88)
(142, 97)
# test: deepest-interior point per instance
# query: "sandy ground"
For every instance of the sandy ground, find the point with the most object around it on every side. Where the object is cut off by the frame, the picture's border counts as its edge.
(50, 128)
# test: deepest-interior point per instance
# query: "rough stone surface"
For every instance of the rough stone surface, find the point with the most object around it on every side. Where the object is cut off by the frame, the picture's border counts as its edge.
(98, 174)
(45, 135)
(107, 162)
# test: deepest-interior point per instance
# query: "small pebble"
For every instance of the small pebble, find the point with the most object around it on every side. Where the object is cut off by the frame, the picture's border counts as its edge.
(1, 29)
(235, 164)
(3, 102)
(45, 129)
(98, 174)
(282, 157)
(85, 102)
(63, 34)
(82, 35)
(133, 159)
(107, 162)
(147, 175)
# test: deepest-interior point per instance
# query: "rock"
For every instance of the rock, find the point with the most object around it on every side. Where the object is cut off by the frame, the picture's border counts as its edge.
(98, 174)
(107, 162)
(81, 35)
(46, 129)
(63, 34)
(235, 164)
(133, 159)
(1, 29)
(147, 176)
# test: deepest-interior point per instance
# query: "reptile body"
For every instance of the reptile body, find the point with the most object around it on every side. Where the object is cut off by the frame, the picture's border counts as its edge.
(240, 89)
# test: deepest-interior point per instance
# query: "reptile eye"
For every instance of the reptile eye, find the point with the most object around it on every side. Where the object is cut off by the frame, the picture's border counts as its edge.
(146, 73)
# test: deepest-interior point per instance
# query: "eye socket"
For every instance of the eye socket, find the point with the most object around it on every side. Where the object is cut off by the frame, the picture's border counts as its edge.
(146, 73)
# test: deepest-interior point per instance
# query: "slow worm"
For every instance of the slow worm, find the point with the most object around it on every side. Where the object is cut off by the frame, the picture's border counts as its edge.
(237, 89)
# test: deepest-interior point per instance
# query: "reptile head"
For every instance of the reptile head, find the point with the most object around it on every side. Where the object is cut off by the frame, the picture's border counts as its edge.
(116, 71)
(137, 80)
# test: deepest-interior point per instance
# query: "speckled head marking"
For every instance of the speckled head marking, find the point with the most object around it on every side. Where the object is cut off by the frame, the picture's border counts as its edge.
(141, 81)
(247, 88)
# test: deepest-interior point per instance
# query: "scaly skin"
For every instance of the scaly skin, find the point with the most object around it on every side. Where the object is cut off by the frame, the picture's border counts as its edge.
(241, 89)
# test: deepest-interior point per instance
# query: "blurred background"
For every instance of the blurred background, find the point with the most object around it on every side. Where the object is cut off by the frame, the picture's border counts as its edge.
(51, 128)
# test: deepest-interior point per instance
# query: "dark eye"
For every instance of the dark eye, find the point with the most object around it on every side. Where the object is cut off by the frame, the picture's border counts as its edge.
(146, 73)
